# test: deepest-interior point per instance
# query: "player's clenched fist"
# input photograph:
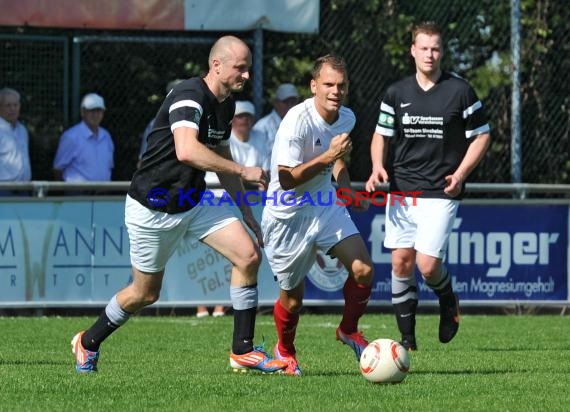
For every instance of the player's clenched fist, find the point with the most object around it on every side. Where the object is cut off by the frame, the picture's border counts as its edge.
(340, 145)
(254, 175)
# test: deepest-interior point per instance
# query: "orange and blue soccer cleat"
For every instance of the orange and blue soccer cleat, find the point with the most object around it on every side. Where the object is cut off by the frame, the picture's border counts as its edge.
(85, 360)
(257, 359)
(355, 340)
(292, 368)
(448, 320)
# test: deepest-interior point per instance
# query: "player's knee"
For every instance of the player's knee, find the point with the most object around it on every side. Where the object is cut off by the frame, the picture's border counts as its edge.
(363, 273)
(429, 271)
(248, 262)
(144, 298)
(292, 305)
(401, 265)
(295, 307)
(429, 267)
(151, 297)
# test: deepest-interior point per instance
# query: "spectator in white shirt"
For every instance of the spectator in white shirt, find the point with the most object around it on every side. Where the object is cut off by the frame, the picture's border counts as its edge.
(14, 152)
(248, 146)
(286, 96)
(86, 150)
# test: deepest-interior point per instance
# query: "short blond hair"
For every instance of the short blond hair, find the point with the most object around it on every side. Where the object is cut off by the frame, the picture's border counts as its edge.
(427, 27)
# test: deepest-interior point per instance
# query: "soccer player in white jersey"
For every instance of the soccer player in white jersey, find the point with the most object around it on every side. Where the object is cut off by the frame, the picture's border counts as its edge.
(438, 132)
(301, 214)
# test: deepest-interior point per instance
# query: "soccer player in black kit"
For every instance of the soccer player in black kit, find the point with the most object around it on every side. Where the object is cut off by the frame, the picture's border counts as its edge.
(190, 136)
(431, 133)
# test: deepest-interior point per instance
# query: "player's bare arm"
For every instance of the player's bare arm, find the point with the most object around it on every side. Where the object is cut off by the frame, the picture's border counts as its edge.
(234, 184)
(474, 154)
(378, 155)
(340, 174)
(291, 177)
(342, 178)
(190, 151)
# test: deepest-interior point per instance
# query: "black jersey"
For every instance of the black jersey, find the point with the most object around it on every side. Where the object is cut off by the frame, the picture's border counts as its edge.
(428, 132)
(164, 183)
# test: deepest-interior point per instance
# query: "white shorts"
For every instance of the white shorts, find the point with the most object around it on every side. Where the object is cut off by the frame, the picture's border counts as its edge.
(291, 244)
(154, 235)
(425, 226)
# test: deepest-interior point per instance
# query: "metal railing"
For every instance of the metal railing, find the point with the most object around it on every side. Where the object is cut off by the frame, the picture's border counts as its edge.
(41, 189)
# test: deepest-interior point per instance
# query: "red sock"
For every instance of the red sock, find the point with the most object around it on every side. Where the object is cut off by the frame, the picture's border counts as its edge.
(286, 324)
(355, 301)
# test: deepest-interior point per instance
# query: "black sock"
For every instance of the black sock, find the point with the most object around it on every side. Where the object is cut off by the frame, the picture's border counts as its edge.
(244, 326)
(97, 333)
(406, 317)
(445, 295)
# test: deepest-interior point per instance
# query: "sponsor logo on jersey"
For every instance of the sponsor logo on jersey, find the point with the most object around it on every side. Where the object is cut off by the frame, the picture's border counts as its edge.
(215, 137)
(434, 120)
(386, 120)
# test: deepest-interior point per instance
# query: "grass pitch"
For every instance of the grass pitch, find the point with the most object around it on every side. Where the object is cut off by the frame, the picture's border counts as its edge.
(496, 363)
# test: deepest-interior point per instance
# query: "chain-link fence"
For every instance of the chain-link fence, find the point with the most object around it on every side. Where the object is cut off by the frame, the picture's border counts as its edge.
(37, 66)
(132, 74)
(374, 37)
(131, 71)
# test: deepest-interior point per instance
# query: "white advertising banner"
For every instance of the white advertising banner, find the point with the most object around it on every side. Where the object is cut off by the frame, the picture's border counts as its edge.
(289, 16)
(76, 253)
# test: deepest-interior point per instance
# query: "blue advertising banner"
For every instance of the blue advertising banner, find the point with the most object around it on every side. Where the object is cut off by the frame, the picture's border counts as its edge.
(76, 253)
(496, 253)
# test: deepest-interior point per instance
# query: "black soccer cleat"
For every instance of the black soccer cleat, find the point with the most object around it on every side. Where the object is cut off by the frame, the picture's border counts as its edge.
(409, 343)
(448, 319)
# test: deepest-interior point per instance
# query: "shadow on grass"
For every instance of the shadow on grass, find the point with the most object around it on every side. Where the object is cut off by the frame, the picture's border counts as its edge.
(514, 349)
(19, 362)
(479, 372)
(327, 373)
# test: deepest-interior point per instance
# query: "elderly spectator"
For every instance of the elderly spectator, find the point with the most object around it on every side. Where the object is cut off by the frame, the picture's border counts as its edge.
(286, 96)
(248, 146)
(85, 151)
(14, 153)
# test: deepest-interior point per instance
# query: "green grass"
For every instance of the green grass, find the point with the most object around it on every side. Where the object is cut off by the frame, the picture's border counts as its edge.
(496, 363)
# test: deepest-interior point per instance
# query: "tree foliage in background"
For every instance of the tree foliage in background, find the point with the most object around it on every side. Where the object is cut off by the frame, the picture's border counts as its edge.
(374, 37)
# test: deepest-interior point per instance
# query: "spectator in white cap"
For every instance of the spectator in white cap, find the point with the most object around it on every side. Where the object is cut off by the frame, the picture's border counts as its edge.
(85, 151)
(286, 96)
(248, 146)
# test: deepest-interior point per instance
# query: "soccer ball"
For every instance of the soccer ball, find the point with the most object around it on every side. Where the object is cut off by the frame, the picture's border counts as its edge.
(384, 361)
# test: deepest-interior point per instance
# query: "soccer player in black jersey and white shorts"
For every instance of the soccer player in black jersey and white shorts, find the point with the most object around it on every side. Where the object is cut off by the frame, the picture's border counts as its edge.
(435, 129)
(190, 136)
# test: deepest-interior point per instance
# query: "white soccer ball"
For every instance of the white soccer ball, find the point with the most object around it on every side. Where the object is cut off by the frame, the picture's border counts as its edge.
(384, 361)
